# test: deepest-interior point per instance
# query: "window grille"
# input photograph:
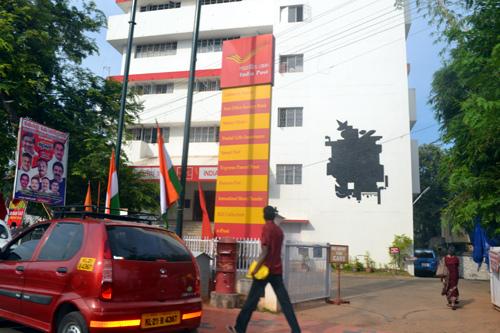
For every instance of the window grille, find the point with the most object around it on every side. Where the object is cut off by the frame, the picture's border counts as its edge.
(204, 134)
(149, 89)
(291, 63)
(213, 2)
(162, 6)
(207, 85)
(149, 134)
(289, 174)
(290, 117)
(212, 45)
(155, 50)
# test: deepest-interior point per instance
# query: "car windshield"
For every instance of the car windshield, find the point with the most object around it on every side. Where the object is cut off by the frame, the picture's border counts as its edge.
(145, 244)
(424, 255)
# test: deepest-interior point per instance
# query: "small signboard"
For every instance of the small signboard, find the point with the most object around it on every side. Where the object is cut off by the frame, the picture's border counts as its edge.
(339, 254)
(394, 250)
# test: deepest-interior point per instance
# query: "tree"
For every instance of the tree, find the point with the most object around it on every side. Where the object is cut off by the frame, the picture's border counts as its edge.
(466, 99)
(427, 210)
(42, 44)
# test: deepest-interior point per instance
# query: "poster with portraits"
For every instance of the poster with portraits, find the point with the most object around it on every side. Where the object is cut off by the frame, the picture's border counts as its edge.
(41, 164)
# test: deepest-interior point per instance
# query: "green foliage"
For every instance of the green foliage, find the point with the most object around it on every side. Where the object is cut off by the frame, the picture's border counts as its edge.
(42, 44)
(466, 98)
(405, 245)
(427, 210)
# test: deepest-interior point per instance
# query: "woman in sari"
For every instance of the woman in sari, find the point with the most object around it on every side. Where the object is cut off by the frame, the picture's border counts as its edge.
(451, 280)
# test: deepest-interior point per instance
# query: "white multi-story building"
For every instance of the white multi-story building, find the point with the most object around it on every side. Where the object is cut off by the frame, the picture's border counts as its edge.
(342, 164)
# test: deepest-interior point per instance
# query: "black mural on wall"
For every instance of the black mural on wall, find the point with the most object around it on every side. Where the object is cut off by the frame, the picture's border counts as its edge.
(355, 163)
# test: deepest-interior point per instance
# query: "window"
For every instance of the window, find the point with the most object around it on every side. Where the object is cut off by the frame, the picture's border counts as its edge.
(63, 243)
(24, 247)
(289, 174)
(206, 85)
(295, 13)
(317, 252)
(290, 117)
(291, 63)
(149, 134)
(204, 134)
(155, 50)
(143, 244)
(166, 5)
(150, 89)
(212, 45)
(213, 2)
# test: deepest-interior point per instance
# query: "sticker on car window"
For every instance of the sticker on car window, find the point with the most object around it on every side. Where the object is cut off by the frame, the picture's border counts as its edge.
(86, 264)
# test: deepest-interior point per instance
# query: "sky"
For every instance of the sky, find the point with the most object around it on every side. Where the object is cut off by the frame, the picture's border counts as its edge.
(422, 55)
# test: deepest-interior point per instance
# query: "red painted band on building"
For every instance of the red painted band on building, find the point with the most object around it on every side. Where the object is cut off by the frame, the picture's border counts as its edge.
(247, 136)
(167, 75)
(247, 167)
(241, 199)
(246, 107)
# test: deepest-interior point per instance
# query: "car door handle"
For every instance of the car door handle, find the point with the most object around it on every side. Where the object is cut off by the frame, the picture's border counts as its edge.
(62, 270)
(20, 268)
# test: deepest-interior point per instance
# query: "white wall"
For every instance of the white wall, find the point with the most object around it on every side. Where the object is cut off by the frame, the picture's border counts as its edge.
(354, 70)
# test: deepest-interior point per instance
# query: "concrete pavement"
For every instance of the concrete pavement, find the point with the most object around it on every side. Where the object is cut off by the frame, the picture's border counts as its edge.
(378, 305)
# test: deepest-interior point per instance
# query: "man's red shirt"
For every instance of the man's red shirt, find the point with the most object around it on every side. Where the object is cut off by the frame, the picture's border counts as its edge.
(272, 237)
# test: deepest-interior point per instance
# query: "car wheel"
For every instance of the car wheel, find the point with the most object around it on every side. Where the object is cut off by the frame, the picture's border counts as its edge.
(73, 322)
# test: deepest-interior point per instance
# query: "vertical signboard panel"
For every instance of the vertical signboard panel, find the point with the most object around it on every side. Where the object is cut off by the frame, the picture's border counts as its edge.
(243, 171)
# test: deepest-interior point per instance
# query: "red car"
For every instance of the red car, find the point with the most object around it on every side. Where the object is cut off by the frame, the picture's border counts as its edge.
(96, 274)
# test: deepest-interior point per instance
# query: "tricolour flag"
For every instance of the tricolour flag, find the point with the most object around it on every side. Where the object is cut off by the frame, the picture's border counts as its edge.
(169, 183)
(206, 229)
(112, 199)
(88, 200)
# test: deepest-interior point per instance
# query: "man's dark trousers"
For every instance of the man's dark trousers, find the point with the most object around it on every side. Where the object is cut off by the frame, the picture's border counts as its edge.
(256, 291)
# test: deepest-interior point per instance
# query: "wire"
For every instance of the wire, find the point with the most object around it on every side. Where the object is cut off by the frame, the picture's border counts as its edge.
(300, 79)
(307, 59)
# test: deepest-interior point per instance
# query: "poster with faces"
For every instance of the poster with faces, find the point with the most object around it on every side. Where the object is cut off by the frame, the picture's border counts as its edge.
(41, 164)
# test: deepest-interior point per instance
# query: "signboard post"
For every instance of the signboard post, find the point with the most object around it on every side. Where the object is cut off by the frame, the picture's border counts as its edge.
(395, 251)
(338, 254)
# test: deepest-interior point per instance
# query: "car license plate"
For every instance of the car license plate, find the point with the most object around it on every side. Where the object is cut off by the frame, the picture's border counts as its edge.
(160, 319)
(424, 264)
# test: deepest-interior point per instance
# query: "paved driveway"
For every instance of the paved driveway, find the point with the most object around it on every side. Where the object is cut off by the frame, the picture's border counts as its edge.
(378, 305)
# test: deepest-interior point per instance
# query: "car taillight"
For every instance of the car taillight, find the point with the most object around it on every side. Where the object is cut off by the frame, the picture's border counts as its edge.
(107, 274)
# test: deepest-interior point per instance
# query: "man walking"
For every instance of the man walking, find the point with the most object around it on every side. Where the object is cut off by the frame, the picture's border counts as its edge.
(272, 240)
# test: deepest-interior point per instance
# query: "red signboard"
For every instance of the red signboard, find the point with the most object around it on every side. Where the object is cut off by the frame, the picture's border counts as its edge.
(16, 212)
(247, 61)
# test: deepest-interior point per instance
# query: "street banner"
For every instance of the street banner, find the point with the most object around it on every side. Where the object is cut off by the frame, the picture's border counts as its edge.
(42, 164)
(16, 212)
(243, 170)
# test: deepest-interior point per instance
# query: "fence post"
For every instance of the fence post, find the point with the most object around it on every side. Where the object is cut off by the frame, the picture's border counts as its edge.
(328, 273)
(286, 266)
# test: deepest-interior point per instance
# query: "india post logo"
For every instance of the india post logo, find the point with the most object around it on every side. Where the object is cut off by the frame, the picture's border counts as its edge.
(247, 61)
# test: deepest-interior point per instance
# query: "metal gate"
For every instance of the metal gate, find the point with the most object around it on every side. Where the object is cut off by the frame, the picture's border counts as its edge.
(307, 273)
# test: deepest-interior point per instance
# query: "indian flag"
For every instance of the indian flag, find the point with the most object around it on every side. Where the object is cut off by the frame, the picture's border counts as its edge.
(112, 199)
(169, 183)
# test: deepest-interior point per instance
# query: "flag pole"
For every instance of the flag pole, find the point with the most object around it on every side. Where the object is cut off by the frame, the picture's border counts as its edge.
(187, 122)
(123, 99)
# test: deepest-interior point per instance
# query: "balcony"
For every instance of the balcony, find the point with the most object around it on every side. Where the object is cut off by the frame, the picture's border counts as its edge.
(242, 18)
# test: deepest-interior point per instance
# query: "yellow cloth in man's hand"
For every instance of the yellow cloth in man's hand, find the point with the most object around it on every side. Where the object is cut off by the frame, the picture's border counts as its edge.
(261, 274)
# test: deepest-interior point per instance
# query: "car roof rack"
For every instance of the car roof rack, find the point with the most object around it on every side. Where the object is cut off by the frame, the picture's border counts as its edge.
(82, 211)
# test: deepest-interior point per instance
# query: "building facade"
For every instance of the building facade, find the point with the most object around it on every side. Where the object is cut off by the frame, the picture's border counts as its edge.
(342, 163)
